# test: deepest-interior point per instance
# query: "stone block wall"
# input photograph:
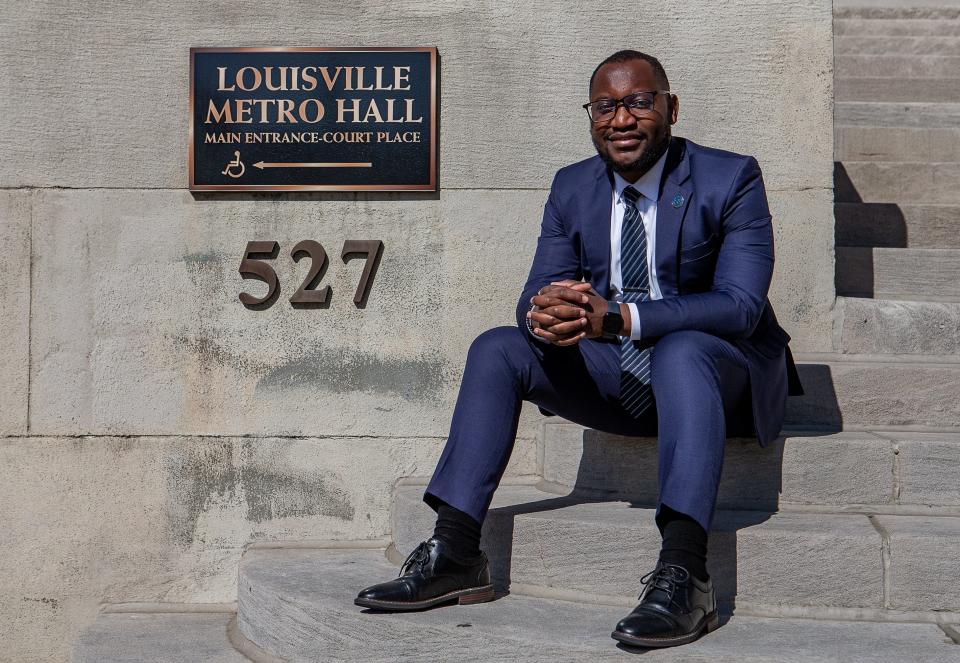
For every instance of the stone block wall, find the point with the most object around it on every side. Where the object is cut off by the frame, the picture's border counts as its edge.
(152, 426)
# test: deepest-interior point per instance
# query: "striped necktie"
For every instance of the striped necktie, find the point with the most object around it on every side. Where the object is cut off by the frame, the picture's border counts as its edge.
(636, 395)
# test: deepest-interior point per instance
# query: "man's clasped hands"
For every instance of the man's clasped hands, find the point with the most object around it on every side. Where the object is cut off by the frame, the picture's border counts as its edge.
(567, 311)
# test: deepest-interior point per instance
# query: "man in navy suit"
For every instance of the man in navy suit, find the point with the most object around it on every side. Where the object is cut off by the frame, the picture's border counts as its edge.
(645, 312)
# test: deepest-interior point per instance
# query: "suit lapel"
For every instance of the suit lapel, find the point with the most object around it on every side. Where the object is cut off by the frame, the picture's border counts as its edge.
(676, 190)
(596, 239)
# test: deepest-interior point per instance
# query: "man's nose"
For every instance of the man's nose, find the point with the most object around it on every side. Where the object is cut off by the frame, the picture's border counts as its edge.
(622, 117)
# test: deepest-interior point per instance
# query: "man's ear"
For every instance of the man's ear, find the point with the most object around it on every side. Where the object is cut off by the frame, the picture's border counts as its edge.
(674, 108)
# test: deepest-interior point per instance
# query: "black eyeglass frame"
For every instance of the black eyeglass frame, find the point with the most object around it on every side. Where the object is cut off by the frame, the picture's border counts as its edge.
(620, 102)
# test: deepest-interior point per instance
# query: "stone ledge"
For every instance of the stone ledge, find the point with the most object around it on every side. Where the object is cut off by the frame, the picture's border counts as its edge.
(870, 45)
(171, 637)
(847, 23)
(897, 89)
(813, 468)
(875, 391)
(537, 538)
(298, 605)
(897, 225)
(924, 557)
(898, 115)
(881, 326)
(893, 10)
(913, 274)
(895, 182)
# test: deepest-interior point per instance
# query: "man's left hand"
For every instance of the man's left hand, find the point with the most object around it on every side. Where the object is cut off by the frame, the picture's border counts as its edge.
(572, 291)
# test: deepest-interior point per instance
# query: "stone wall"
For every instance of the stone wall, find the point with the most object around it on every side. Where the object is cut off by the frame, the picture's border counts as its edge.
(152, 426)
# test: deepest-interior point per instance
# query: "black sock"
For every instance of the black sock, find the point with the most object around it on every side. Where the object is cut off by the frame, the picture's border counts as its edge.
(684, 542)
(458, 530)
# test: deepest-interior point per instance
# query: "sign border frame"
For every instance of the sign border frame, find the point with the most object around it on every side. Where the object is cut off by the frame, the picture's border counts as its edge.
(429, 187)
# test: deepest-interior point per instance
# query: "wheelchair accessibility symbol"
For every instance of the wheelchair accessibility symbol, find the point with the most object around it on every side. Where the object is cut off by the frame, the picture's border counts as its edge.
(236, 163)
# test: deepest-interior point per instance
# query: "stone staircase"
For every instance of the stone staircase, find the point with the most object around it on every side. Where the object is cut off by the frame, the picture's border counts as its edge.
(840, 542)
(897, 151)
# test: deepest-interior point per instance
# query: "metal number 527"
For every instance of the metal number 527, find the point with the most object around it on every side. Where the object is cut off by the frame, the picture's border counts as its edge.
(254, 266)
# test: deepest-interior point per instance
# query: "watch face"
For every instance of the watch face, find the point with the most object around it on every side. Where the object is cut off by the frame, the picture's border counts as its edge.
(612, 323)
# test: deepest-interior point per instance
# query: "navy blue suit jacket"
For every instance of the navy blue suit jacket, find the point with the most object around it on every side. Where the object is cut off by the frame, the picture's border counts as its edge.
(714, 260)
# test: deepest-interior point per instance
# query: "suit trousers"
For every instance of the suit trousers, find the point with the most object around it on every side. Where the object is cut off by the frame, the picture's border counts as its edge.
(701, 389)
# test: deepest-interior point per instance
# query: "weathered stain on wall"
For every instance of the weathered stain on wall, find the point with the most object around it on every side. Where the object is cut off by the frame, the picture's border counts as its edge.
(211, 352)
(346, 369)
(272, 495)
(221, 472)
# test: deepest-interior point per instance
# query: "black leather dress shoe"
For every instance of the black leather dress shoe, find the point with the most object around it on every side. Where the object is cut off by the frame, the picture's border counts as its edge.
(432, 575)
(675, 608)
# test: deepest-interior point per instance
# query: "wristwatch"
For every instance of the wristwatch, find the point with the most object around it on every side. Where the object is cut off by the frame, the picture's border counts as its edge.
(612, 321)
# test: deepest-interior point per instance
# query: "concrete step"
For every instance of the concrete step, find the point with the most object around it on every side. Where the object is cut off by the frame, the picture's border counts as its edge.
(913, 274)
(848, 469)
(817, 560)
(896, 144)
(297, 604)
(897, 226)
(897, 89)
(912, 8)
(883, 326)
(904, 45)
(897, 182)
(896, 66)
(851, 23)
(169, 637)
(870, 392)
(899, 114)
(847, 23)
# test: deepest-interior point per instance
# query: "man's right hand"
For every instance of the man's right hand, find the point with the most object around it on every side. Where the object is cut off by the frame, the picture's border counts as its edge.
(559, 316)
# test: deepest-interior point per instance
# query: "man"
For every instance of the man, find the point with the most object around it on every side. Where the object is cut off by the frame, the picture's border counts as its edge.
(671, 332)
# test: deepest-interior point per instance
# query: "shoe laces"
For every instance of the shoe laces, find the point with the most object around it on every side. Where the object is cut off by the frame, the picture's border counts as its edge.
(417, 559)
(666, 578)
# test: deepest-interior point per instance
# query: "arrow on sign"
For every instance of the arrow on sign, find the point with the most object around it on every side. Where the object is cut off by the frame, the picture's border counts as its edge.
(316, 164)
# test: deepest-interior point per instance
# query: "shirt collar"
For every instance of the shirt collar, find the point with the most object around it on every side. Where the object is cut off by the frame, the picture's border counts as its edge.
(648, 184)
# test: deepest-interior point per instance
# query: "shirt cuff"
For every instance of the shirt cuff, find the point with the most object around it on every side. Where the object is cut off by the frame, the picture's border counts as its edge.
(530, 328)
(634, 322)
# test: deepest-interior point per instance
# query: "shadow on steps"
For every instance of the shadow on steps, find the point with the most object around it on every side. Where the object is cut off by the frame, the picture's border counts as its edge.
(749, 495)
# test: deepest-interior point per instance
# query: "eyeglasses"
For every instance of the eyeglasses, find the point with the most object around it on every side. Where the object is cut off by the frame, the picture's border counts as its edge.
(638, 104)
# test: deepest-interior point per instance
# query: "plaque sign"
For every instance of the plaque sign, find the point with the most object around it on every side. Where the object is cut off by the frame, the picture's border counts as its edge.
(313, 119)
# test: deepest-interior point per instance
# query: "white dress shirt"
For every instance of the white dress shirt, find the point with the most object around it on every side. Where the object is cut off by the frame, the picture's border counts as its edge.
(649, 186)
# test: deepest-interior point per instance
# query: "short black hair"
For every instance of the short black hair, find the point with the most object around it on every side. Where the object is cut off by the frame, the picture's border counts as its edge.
(625, 56)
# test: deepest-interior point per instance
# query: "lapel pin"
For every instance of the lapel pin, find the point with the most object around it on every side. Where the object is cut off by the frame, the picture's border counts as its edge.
(677, 200)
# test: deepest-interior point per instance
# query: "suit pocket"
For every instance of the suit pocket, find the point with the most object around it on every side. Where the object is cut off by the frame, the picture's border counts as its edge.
(701, 250)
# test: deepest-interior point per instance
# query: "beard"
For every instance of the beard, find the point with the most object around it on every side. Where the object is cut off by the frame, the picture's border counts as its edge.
(642, 163)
